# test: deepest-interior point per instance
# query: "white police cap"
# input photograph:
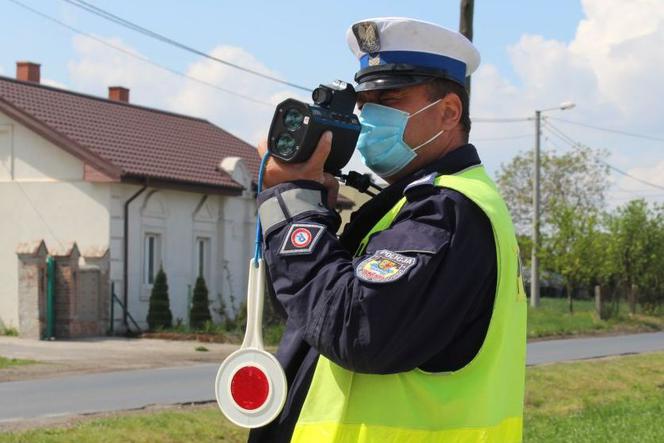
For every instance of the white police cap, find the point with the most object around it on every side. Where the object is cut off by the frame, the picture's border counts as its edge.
(397, 51)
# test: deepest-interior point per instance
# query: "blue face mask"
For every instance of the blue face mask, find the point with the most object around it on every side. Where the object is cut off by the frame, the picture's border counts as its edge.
(381, 140)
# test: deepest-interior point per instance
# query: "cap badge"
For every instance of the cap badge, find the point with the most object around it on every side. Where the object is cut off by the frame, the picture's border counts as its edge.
(374, 60)
(367, 37)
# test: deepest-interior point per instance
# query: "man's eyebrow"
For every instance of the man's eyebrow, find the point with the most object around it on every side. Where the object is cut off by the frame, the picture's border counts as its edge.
(391, 93)
(379, 95)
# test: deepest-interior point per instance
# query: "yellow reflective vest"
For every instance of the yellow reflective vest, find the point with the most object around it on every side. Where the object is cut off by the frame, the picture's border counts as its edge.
(481, 402)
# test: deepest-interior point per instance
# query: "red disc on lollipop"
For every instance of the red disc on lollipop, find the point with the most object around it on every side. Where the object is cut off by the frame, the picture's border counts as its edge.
(250, 387)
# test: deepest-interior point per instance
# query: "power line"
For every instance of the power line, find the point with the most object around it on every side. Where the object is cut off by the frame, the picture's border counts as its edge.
(619, 171)
(511, 137)
(615, 131)
(561, 135)
(550, 140)
(572, 142)
(138, 57)
(147, 32)
(637, 192)
(500, 120)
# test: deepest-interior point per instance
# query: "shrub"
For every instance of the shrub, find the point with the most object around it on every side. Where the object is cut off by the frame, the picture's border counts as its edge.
(10, 332)
(159, 313)
(200, 310)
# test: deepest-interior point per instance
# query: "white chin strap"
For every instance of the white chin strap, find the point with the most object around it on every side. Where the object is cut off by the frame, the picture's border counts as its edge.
(428, 141)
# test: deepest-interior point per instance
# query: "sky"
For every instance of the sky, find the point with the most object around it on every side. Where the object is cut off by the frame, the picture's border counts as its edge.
(604, 55)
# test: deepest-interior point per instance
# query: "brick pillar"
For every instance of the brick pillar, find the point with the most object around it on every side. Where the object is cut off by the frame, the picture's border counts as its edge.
(32, 289)
(98, 294)
(66, 289)
(86, 322)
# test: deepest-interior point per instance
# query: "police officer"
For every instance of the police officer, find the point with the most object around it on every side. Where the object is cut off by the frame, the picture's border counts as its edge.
(410, 326)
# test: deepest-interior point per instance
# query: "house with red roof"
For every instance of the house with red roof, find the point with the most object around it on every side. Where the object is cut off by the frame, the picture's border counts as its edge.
(124, 187)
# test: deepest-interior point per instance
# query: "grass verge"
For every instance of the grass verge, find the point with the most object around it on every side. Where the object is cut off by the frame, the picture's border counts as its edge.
(552, 319)
(9, 362)
(217, 334)
(609, 400)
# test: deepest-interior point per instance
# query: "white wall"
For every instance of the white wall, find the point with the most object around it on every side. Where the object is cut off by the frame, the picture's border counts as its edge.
(237, 226)
(43, 196)
(179, 218)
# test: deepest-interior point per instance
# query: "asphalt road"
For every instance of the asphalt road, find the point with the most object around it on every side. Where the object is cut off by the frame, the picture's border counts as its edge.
(583, 348)
(124, 390)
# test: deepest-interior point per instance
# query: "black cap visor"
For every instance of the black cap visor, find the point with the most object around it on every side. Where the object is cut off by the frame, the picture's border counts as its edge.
(394, 76)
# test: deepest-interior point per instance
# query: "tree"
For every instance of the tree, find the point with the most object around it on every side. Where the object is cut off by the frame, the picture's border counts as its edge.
(200, 306)
(573, 186)
(571, 247)
(651, 282)
(159, 312)
(577, 179)
(622, 251)
(637, 248)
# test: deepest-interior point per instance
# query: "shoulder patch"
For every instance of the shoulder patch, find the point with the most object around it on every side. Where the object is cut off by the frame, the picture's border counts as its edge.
(384, 266)
(426, 183)
(301, 238)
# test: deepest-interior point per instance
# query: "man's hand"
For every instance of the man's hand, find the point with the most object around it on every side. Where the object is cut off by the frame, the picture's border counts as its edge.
(277, 171)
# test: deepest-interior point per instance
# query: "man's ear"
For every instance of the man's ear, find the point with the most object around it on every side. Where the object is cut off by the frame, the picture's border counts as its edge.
(451, 110)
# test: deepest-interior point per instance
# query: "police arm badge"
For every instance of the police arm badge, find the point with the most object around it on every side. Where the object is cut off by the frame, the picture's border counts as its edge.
(384, 267)
(301, 239)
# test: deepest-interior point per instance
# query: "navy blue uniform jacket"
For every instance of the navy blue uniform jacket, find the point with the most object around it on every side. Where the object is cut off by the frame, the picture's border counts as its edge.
(434, 315)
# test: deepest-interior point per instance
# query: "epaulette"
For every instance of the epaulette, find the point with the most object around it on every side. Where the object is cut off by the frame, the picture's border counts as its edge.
(421, 187)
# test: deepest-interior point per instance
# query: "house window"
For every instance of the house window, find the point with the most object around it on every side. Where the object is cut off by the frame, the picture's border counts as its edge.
(203, 257)
(152, 256)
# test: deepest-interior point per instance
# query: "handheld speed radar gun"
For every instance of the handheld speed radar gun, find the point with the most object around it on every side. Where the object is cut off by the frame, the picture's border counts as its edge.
(297, 126)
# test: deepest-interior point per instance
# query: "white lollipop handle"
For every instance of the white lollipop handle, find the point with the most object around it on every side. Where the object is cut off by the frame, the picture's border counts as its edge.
(252, 355)
(253, 335)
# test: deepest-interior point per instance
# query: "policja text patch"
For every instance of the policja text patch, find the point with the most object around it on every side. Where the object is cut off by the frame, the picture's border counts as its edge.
(301, 238)
(384, 266)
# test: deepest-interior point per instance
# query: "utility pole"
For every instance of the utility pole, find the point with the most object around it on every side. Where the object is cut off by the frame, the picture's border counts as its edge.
(466, 26)
(534, 270)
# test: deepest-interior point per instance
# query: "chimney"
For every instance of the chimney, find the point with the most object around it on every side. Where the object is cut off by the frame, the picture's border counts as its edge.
(118, 94)
(28, 72)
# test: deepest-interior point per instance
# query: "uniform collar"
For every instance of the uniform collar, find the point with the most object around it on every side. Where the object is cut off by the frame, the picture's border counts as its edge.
(461, 158)
(368, 214)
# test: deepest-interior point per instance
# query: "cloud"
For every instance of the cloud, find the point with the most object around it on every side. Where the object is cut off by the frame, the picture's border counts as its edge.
(244, 118)
(97, 66)
(53, 83)
(612, 70)
(627, 187)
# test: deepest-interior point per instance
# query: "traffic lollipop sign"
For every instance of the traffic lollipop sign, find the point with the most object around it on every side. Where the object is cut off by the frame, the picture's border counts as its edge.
(251, 385)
